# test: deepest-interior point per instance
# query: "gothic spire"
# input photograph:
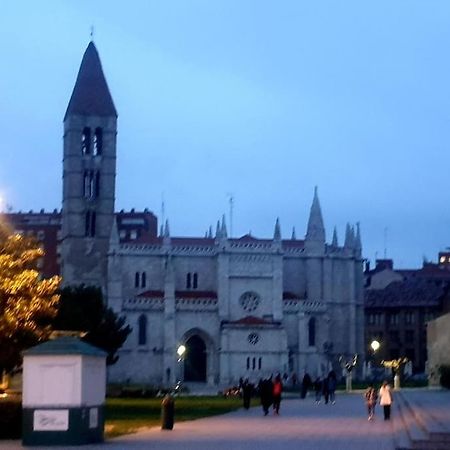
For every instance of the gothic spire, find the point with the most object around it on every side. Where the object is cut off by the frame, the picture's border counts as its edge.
(91, 96)
(223, 229)
(114, 240)
(166, 229)
(218, 230)
(315, 234)
(334, 242)
(294, 236)
(277, 231)
(358, 245)
(348, 236)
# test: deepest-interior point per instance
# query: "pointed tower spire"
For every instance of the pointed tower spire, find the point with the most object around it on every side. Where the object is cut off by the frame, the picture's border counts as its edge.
(210, 233)
(218, 230)
(315, 235)
(91, 96)
(358, 244)
(161, 230)
(348, 236)
(223, 230)
(294, 235)
(114, 240)
(334, 242)
(166, 229)
(277, 231)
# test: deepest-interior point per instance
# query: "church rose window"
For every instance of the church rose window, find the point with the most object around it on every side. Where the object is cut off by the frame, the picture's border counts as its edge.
(249, 301)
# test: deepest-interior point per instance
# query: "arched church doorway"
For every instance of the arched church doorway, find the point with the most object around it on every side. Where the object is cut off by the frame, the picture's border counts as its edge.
(195, 359)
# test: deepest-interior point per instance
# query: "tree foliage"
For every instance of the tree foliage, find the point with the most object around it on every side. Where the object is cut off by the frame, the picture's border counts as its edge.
(27, 302)
(81, 308)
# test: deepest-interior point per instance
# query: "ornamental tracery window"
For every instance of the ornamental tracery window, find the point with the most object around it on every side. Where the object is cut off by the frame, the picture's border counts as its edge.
(249, 301)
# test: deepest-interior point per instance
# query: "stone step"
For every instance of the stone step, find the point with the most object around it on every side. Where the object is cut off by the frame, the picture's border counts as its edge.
(401, 438)
(419, 438)
(415, 432)
(437, 431)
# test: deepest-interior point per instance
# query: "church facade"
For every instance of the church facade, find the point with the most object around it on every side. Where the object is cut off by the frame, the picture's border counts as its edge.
(242, 307)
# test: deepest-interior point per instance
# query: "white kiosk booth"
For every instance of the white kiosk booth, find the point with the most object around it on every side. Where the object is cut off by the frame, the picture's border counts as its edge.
(64, 384)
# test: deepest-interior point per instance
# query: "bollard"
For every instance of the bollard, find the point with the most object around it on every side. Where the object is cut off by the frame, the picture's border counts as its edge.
(167, 412)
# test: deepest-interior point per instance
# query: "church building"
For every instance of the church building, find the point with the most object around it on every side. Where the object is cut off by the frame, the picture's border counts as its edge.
(242, 307)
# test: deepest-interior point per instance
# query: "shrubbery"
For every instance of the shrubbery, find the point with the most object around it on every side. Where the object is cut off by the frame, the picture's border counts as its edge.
(10, 418)
(445, 376)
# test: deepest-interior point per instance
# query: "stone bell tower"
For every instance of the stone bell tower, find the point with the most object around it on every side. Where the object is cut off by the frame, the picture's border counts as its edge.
(89, 173)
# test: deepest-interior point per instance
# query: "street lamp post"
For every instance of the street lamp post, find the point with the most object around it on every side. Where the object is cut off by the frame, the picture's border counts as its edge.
(348, 366)
(181, 351)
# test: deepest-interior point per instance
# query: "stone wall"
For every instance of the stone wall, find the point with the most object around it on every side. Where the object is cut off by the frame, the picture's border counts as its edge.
(438, 343)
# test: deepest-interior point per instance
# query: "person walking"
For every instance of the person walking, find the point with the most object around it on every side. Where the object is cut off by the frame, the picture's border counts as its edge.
(318, 386)
(247, 391)
(370, 397)
(332, 382)
(325, 391)
(276, 394)
(306, 384)
(266, 393)
(386, 399)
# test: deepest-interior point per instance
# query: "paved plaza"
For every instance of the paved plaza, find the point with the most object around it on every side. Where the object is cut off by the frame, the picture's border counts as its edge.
(301, 425)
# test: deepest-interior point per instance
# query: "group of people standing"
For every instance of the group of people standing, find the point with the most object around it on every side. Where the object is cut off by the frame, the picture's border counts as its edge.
(323, 387)
(269, 390)
(270, 394)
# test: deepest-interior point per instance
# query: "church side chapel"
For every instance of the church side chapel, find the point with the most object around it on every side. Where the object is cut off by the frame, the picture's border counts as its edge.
(242, 307)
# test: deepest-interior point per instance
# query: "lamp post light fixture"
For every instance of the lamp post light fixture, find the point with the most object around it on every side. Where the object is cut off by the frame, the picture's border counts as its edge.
(375, 345)
(181, 350)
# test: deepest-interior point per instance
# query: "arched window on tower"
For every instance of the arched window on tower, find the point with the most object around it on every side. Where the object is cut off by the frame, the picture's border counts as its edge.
(143, 280)
(195, 280)
(89, 185)
(188, 280)
(142, 330)
(136, 279)
(98, 141)
(86, 141)
(312, 332)
(97, 184)
(89, 225)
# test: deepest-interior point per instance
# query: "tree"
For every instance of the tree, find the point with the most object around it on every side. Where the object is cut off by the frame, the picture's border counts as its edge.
(81, 308)
(27, 303)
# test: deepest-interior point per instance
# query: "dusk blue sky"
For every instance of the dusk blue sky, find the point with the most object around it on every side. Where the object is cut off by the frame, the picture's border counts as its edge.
(259, 99)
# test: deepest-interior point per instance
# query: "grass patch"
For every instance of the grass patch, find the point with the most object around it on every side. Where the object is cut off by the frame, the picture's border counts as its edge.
(129, 415)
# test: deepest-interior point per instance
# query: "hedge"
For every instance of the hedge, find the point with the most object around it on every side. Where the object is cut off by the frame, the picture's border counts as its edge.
(10, 418)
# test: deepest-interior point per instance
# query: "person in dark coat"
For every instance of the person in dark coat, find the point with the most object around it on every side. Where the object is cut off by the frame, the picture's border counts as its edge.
(247, 391)
(318, 387)
(306, 385)
(332, 382)
(266, 392)
(325, 390)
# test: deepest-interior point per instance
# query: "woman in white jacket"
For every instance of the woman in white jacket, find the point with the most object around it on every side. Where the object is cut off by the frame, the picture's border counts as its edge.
(386, 399)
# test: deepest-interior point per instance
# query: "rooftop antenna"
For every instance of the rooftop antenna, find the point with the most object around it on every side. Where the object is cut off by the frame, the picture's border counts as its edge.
(92, 32)
(231, 203)
(385, 242)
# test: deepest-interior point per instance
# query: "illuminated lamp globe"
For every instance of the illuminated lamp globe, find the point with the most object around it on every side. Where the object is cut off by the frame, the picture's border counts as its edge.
(180, 350)
(375, 345)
